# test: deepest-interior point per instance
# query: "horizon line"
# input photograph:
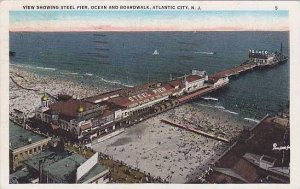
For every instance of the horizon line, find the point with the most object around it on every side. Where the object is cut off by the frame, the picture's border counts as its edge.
(43, 31)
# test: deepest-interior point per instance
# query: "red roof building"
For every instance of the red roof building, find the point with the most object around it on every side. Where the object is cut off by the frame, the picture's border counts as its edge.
(192, 78)
(70, 108)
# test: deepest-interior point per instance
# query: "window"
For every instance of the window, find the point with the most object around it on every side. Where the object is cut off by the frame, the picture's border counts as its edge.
(30, 151)
(34, 149)
(40, 148)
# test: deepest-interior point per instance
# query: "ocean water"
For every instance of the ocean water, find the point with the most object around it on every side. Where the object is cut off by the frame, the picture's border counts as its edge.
(126, 59)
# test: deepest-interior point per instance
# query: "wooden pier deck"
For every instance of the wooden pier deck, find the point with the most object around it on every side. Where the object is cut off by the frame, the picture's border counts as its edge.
(233, 71)
(196, 131)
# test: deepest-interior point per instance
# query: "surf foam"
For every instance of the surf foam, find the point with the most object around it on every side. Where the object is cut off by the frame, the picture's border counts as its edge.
(251, 119)
(210, 98)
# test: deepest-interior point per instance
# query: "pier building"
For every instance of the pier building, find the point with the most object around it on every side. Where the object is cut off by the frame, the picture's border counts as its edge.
(99, 115)
(260, 56)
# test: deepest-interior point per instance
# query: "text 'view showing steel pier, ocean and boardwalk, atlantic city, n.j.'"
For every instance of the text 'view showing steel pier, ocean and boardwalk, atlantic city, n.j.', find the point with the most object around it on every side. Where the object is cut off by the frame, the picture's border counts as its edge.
(156, 103)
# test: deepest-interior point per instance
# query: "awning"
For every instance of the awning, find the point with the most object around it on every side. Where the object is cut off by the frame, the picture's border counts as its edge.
(85, 126)
(54, 127)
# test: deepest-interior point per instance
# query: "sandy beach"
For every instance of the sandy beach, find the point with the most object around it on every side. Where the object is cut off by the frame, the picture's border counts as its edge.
(171, 153)
(26, 100)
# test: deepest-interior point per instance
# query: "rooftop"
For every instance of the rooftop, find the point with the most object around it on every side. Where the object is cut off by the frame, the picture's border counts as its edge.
(19, 137)
(70, 108)
(245, 170)
(144, 96)
(144, 86)
(65, 169)
(177, 82)
(99, 97)
(97, 169)
(48, 158)
(63, 166)
(20, 176)
(192, 78)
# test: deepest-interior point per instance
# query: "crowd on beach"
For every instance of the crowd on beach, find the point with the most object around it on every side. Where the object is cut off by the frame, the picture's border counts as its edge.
(172, 153)
(27, 88)
(207, 120)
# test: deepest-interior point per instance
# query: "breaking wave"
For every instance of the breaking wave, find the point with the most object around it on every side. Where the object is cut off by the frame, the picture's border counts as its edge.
(46, 68)
(210, 106)
(114, 82)
(203, 52)
(235, 113)
(33, 67)
(253, 120)
(70, 73)
(222, 108)
(210, 98)
(21, 65)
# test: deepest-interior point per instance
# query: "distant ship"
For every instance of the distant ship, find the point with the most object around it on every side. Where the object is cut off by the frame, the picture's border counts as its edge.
(12, 53)
(155, 52)
(99, 34)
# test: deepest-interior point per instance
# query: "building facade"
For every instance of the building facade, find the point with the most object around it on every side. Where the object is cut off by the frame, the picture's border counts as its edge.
(261, 57)
(24, 144)
(96, 116)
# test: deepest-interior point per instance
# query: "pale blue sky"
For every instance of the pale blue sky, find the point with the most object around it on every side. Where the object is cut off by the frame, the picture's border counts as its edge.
(147, 20)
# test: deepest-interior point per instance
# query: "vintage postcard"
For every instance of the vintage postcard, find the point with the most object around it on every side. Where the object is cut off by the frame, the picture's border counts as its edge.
(164, 92)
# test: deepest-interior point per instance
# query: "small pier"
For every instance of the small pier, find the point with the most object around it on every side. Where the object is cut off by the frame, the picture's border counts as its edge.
(196, 131)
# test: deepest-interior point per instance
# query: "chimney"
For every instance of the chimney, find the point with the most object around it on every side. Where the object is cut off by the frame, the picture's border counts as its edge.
(40, 170)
